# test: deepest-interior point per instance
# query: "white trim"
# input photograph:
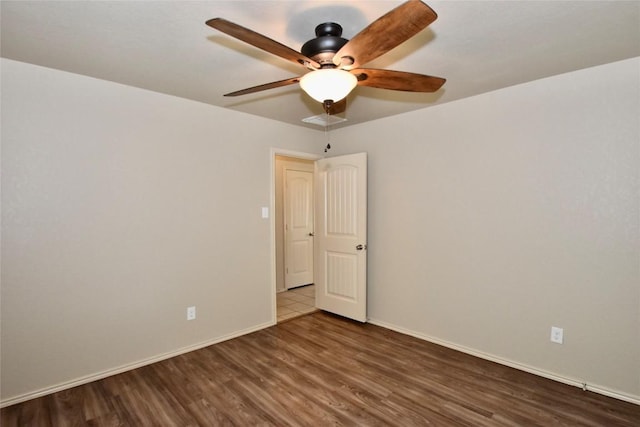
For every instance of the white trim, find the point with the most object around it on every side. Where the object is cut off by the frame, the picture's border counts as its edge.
(124, 368)
(128, 367)
(510, 363)
(272, 219)
(295, 154)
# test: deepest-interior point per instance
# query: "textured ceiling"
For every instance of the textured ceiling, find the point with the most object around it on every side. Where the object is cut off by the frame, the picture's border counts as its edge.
(165, 46)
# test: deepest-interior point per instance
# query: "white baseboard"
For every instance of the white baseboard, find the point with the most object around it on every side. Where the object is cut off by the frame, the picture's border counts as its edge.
(532, 370)
(522, 367)
(128, 367)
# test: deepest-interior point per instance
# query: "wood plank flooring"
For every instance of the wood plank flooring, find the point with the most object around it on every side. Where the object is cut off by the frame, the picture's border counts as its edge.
(319, 370)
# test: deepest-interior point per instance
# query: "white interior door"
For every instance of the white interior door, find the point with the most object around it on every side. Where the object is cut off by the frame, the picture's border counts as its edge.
(341, 235)
(298, 228)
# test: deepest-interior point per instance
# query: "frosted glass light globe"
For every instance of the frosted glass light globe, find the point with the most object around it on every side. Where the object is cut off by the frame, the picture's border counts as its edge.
(328, 84)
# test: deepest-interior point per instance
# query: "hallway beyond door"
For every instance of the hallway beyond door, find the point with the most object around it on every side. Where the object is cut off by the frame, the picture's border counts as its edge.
(295, 302)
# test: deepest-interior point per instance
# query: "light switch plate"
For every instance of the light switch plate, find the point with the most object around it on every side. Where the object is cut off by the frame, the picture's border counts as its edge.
(265, 212)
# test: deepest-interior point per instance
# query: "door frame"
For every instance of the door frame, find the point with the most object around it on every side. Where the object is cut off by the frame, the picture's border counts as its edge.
(272, 217)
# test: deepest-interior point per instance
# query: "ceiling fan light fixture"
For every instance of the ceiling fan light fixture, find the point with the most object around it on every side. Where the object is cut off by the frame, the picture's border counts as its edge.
(328, 84)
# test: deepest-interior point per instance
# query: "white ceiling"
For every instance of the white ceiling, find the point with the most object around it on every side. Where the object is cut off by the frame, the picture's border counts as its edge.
(165, 46)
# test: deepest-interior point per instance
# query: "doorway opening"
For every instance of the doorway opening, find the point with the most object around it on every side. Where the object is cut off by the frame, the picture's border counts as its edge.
(293, 233)
(339, 234)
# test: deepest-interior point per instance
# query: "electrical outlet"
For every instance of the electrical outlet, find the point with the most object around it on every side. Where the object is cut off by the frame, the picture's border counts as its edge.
(191, 313)
(557, 335)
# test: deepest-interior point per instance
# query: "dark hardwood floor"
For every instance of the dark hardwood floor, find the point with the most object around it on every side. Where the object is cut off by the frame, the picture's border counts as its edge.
(323, 370)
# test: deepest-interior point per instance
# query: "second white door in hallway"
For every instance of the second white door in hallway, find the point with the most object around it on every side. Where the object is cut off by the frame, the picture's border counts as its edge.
(298, 228)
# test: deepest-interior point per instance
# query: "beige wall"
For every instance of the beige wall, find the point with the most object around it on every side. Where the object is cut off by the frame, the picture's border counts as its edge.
(493, 218)
(490, 220)
(120, 208)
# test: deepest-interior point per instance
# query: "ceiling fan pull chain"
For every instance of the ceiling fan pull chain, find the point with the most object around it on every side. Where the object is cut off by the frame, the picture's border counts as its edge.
(326, 126)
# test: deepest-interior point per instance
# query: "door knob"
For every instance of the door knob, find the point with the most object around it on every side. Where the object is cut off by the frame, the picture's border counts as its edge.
(311, 234)
(361, 247)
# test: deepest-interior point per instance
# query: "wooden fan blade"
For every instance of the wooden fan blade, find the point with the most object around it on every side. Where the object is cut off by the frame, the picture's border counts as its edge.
(261, 42)
(397, 80)
(338, 107)
(265, 86)
(387, 32)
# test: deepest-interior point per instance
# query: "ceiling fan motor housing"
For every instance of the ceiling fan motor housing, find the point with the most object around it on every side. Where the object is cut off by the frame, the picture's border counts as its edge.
(323, 48)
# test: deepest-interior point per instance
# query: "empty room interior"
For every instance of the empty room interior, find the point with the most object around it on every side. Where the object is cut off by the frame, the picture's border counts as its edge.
(144, 213)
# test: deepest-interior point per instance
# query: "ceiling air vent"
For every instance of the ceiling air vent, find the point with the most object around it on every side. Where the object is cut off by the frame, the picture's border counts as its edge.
(324, 120)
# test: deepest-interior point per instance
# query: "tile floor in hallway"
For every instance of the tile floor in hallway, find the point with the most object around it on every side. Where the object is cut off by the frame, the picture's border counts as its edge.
(296, 302)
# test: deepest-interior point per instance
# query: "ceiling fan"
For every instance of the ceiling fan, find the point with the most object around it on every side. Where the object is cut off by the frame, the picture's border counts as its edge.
(335, 63)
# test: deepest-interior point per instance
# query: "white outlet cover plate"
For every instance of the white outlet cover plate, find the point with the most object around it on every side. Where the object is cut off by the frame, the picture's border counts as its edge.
(557, 335)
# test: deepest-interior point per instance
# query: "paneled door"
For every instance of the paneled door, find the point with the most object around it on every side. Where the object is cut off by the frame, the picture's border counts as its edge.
(298, 228)
(341, 235)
